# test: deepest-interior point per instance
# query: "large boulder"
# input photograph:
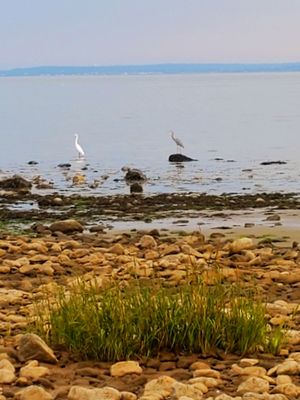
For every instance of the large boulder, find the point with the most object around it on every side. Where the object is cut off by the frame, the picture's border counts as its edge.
(180, 158)
(16, 182)
(66, 226)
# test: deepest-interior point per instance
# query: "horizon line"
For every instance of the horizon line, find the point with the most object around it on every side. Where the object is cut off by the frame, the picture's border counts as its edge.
(170, 67)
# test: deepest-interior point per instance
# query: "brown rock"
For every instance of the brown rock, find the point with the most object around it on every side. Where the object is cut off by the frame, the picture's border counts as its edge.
(66, 226)
(32, 347)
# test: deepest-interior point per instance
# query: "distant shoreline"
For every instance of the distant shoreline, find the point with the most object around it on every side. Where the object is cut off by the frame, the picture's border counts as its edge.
(150, 69)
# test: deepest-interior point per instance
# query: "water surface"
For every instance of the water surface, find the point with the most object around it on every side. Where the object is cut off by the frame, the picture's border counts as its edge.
(229, 122)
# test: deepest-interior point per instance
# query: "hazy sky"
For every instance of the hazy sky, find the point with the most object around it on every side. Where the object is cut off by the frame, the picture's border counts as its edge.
(107, 32)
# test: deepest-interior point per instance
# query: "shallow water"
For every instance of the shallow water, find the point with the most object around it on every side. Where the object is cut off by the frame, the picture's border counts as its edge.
(229, 122)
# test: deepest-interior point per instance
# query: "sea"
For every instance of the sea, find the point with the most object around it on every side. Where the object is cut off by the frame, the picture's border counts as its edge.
(229, 122)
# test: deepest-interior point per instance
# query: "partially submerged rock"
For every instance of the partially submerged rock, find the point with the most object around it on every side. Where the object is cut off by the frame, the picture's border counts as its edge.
(133, 174)
(273, 162)
(16, 182)
(180, 158)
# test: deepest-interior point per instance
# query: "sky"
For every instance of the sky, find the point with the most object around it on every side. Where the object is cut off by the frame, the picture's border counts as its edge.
(122, 32)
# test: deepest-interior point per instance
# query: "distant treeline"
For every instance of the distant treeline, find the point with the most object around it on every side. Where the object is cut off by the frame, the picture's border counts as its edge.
(151, 69)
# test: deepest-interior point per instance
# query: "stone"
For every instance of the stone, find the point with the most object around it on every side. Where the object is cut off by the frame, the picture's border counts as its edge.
(133, 174)
(82, 393)
(123, 368)
(128, 396)
(288, 389)
(207, 372)
(253, 384)
(118, 249)
(162, 387)
(32, 347)
(288, 367)
(136, 188)
(16, 182)
(78, 179)
(178, 158)
(182, 389)
(33, 371)
(33, 392)
(208, 382)
(147, 242)
(7, 372)
(66, 226)
(241, 244)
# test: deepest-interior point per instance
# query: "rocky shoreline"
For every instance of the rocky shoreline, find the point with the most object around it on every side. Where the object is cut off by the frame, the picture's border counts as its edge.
(31, 266)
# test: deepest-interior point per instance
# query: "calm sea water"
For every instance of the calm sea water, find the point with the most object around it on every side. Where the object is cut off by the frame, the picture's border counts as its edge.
(229, 122)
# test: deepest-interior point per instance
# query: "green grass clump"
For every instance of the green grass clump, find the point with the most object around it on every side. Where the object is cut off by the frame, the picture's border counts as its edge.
(120, 323)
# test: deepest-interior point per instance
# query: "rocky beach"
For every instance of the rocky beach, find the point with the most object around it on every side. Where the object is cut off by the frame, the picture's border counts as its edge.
(50, 240)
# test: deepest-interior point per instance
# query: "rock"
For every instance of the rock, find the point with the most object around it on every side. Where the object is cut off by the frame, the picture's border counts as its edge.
(117, 249)
(253, 384)
(179, 158)
(66, 226)
(32, 162)
(32, 347)
(206, 372)
(162, 387)
(274, 217)
(127, 396)
(273, 162)
(288, 389)
(241, 244)
(136, 188)
(133, 174)
(16, 182)
(123, 368)
(78, 179)
(33, 371)
(64, 165)
(288, 367)
(182, 389)
(7, 372)
(33, 393)
(82, 393)
(147, 242)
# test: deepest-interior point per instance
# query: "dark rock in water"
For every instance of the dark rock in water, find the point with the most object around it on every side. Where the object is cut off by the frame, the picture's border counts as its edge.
(133, 174)
(180, 158)
(136, 188)
(64, 165)
(32, 162)
(273, 162)
(16, 182)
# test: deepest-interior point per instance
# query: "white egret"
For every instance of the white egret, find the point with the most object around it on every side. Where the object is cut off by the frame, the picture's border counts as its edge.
(177, 141)
(78, 147)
